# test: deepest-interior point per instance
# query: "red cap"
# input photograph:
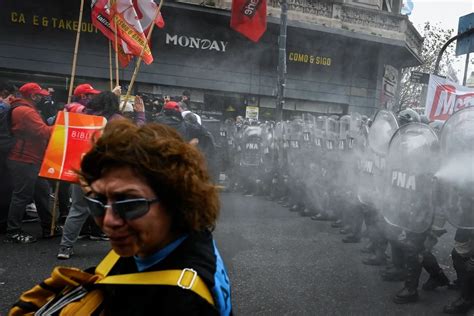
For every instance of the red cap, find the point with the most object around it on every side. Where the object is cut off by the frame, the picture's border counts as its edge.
(85, 89)
(31, 88)
(171, 105)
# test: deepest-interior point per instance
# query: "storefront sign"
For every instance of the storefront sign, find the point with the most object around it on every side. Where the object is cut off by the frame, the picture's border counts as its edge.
(17, 17)
(445, 97)
(196, 43)
(70, 141)
(297, 57)
(251, 112)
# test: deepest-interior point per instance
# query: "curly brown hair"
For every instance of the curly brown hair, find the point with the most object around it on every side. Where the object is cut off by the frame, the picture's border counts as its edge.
(174, 169)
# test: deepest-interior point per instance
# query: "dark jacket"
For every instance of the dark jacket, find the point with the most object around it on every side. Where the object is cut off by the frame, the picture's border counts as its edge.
(30, 131)
(174, 120)
(197, 252)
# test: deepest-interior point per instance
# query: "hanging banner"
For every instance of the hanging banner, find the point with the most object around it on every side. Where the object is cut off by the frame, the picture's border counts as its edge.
(249, 17)
(445, 97)
(70, 141)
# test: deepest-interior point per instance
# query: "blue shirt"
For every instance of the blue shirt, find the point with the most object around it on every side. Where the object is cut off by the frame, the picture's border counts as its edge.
(145, 263)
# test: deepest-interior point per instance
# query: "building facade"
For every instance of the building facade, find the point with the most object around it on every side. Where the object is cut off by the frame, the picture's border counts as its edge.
(342, 56)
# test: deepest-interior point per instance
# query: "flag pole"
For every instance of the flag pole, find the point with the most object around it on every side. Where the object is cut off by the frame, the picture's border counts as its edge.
(139, 60)
(76, 48)
(71, 86)
(117, 81)
(111, 73)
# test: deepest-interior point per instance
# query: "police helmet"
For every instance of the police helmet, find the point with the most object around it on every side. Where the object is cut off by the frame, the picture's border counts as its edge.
(408, 116)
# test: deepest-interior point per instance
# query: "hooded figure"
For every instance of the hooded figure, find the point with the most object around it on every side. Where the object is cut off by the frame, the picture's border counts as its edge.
(171, 116)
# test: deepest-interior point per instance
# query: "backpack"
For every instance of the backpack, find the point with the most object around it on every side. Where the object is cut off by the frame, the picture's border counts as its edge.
(7, 140)
(70, 291)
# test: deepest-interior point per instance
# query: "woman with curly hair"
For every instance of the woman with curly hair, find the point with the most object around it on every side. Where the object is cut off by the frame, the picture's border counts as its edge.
(150, 192)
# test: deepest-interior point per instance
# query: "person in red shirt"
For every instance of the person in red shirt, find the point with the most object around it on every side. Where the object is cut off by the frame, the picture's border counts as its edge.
(31, 138)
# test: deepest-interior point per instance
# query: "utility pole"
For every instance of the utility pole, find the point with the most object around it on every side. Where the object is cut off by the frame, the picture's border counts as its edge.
(281, 80)
(466, 67)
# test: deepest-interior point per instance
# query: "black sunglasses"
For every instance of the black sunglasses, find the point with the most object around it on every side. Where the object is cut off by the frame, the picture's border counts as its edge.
(126, 209)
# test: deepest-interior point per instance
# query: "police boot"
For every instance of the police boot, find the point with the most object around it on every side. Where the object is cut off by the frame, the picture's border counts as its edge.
(351, 239)
(393, 275)
(337, 224)
(378, 259)
(306, 212)
(406, 295)
(459, 306)
(369, 248)
(285, 202)
(409, 293)
(296, 207)
(321, 217)
(436, 281)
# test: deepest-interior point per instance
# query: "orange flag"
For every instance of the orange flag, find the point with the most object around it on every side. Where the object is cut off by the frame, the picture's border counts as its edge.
(71, 139)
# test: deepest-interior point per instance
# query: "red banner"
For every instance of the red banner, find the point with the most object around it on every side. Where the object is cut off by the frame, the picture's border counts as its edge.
(125, 20)
(249, 17)
(445, 97)
(146, 12)
(101, 19)
(70, 141)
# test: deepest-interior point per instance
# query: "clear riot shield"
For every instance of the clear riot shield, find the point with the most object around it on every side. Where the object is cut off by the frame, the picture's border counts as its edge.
(455, 176)
(331, 163)
(317, 189)
(251, 147)
(372, 161)
(281, 146)
(268, 147)
(345, 170)
(381, 131)
(295, 136)
(308, 132)
(408, 178)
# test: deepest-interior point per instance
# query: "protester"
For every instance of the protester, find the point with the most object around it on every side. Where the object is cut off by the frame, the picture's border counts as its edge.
(171, 116)
(205, 140)
(185, 102)
(163, 209)
(6, 93)
(31, 136)
(84, 93)
(105, 104)
(48, 106)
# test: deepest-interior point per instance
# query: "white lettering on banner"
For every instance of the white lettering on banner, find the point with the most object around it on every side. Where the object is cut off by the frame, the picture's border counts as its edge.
(251, 146)
(445, 97)
(403, 180)
(196, 43)
(250, 8)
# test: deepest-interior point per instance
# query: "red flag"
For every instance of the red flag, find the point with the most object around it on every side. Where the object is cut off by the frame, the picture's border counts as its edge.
(249, 17)
(146, 12)
(125, 20)
(124, 54)
(100, 17)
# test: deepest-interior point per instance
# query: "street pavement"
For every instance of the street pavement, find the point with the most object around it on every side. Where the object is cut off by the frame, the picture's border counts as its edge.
(279, 264)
